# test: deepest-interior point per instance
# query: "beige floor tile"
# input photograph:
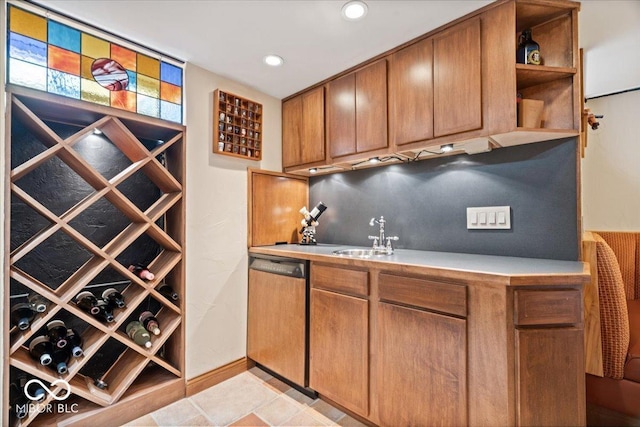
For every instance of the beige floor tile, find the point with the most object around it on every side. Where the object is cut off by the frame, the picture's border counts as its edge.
(233, 398)
(348, 421)
(279, 410)
(251, 420)
(199, 420)
(260, 373)
(176, 413)
(305, 419)
(327, 410)
(278, 385)
(299, 397)
(144, 421)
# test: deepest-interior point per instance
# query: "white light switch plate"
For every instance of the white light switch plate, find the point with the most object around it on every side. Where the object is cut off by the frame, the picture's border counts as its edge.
(489, 218)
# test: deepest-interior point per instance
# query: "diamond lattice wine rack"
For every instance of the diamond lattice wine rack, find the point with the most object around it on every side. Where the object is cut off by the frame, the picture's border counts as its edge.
(92, 190)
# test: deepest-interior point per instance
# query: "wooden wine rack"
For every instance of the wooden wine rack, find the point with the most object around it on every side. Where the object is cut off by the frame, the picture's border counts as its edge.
(154, 376)
(238, 122)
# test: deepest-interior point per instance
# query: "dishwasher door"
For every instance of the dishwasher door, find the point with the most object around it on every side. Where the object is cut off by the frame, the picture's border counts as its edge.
(277, 316)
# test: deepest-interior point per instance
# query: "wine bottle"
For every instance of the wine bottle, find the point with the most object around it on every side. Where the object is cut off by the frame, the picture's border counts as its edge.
(528, 50)
(167, 292)
(38, 303)
(139, 334)
(19, 403)
(57, 332)
(75, 342)
(150, 322)
(104, 311)
(33, 390)
(60, 358)
(114, 298)
(87, 302)
(41, 350)
(141, 271)
(22, 315)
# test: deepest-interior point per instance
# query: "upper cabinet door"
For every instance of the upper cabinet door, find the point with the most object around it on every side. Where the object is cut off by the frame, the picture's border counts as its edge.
(457, 57)
(312, 144)
(341, 115)
(411, 93)
(371, 107)
(291, 133)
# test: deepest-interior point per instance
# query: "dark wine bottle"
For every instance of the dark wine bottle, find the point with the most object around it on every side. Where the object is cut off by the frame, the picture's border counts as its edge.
(57, 332)
(41, 350)
(38, 303)
(150, 322)
(142, 271)
(528, 50)
(104, 311)
(114, 298)
(87, 302)
(33, 390)
(19, 403)
(167, 292)
(75, 342)
(60, 358)
(22, 315)
(139, 334)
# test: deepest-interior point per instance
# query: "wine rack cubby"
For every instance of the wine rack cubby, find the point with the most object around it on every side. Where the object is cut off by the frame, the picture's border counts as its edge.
(238, 122)
(93, 190)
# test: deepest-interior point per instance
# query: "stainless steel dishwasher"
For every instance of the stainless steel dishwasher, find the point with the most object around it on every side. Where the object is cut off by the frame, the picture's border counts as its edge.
(278, 317)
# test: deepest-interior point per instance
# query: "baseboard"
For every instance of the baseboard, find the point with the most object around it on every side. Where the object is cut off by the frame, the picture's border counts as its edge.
(215, 376)
(604, 417)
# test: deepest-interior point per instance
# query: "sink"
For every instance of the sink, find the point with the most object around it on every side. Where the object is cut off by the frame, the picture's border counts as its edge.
(361, 253)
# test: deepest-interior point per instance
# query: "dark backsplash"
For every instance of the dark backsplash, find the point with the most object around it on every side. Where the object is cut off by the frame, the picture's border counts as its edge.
(425, 202)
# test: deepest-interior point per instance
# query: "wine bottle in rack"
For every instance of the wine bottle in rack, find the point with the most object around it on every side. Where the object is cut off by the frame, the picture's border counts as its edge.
(105, 312)
(22, 315)
(139, 334)
(57, 332)
(167, 292)
(32, 390)
(60, 358)
(75, 342)
(19, 403)
(38, 303)
(142, 271)
(41, 350)
(150, 322)
(114, 298)
(88, 302)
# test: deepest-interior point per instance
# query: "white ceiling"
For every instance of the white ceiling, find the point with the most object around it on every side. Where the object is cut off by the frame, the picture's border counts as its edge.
(230, 37)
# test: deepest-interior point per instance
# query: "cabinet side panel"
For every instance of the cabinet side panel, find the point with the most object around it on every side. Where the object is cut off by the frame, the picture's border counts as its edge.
(341, 115)
(371, 107)
(457, 79)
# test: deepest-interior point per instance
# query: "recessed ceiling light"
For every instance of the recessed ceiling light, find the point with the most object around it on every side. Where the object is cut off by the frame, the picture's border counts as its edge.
(273, 60)
(354, 10)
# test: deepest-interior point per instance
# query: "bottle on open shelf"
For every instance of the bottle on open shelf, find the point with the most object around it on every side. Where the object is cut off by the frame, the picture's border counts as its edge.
(167, 292)
(41, 350)
(22, 315)
(142, 271)
(113, 298)
(528, 50)
(88, 302)
(57, 332)
(75, 342)
(38, 303)
(139, 334)
(150, 322)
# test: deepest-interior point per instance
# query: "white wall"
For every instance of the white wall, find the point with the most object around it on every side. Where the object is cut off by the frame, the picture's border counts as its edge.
(216, 210)
(611, 167)
(610, 36)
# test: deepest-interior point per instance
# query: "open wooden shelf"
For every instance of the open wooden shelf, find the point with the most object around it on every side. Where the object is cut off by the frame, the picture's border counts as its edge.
(155, 150)
(533, 75)
(238, 126)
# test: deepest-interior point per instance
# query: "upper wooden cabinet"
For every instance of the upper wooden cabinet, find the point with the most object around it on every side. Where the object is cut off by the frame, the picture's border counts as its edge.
(303, 129)
(411, 93)
(357, 111)
(457, 97)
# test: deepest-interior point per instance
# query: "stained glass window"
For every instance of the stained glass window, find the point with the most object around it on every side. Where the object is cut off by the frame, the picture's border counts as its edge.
(53, 56)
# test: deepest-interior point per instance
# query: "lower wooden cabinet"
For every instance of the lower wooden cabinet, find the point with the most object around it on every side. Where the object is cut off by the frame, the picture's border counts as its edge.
(339, 349)
(421, 368)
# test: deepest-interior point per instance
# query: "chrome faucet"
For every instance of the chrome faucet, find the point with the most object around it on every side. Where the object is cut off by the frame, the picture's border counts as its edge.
(379, 240)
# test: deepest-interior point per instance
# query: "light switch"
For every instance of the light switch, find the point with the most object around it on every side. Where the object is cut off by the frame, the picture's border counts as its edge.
(489, 218)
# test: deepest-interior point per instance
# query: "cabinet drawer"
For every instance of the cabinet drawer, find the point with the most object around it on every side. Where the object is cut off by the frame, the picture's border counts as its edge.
(438, 296)
(353, 282)
(541, 307)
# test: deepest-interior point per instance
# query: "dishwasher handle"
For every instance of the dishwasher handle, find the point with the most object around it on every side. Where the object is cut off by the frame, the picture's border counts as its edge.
(282, 267)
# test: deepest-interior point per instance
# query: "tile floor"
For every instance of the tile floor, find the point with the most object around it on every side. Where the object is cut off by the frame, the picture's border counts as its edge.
(253, 398)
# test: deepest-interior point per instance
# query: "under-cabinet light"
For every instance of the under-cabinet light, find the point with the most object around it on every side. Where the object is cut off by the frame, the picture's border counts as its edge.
(374, 160)
(97, 131)
(313, 170)
(354, 10)
(446, 148)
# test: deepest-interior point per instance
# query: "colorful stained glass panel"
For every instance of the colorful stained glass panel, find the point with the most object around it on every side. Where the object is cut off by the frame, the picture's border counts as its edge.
(94, 47)
(148, 66)
(148, 86)
(124, 100)
(133, 81)
(171, 112)
(63, 84)
(25, 74)
(28, 24)
(64, 60)
(124, 56)
(64, 36)
(148, 106)
(27, 49)
(85, 67)
(91, 91)
(170, 74)
(171, 93)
